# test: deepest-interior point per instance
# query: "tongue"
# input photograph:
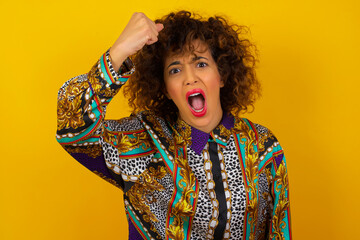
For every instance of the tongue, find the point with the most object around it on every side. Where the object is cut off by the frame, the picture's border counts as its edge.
(197, 102)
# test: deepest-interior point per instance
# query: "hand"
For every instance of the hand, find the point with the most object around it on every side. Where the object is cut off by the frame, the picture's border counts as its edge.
(139, 31)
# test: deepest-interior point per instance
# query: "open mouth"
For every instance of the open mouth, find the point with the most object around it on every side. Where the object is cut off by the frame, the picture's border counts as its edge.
(197, 102)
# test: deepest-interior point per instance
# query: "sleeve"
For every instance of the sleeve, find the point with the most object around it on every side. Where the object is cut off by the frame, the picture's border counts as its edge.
(280, 220)
(81, 108)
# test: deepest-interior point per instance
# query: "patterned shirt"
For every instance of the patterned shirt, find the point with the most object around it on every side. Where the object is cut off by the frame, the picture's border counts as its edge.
(178, 182)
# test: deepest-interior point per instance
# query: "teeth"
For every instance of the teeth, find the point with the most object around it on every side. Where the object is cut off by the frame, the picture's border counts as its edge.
(194, 94)
(198, 110)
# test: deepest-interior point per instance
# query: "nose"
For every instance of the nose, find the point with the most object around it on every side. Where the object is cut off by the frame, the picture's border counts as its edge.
(191, 82)
(190, 77)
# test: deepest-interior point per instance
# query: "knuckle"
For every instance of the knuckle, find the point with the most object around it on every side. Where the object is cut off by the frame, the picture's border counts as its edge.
(141, 14)
(146, 31)
(143, 21)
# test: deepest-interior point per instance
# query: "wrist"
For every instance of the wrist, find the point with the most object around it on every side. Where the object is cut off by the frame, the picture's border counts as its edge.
(117, 56)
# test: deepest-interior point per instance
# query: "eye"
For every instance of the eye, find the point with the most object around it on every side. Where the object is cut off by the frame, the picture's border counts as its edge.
(202, 64)
(174, 71)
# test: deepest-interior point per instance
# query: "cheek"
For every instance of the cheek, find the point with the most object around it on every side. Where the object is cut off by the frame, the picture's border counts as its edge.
(216, 84)
(172, 91)
(174, 94)
(214, 79)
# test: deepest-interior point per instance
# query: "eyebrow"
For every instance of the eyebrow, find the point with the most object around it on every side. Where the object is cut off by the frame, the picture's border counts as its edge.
(195, 58)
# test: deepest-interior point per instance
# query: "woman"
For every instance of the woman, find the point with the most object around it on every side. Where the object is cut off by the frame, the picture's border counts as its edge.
(188, 166)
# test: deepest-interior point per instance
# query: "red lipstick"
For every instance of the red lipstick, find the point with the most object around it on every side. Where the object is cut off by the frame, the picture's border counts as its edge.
(197, 93)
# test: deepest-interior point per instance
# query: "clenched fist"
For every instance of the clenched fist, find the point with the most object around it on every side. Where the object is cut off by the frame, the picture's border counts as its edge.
(139, 31)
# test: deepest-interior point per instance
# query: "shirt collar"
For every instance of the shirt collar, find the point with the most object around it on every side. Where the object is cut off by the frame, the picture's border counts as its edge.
(197, 139)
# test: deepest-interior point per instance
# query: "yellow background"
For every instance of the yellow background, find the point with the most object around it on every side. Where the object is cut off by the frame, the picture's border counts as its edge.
(309, 68)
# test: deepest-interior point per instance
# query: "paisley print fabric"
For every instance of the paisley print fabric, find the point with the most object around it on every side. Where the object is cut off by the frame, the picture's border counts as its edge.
(178, 182)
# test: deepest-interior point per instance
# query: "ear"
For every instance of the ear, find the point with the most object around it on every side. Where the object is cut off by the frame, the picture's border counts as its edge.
(222, 84)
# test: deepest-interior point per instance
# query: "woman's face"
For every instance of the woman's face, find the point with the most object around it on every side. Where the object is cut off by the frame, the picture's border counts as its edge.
(193, 83)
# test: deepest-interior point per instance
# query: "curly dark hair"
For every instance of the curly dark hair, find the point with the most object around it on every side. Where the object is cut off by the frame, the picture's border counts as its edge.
(234, 55)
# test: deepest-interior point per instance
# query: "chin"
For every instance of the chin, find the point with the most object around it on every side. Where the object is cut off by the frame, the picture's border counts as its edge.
(208, 119)
(201, 122)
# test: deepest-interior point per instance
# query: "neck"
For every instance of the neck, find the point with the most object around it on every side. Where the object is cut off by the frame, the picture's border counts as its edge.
(211, 125)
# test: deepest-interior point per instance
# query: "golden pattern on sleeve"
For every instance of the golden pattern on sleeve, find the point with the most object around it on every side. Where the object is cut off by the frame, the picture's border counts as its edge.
(264, 213)
(124, 143)
(94, 76)
(150, 116)
(282, 185)
(69, 112)
(262, 138)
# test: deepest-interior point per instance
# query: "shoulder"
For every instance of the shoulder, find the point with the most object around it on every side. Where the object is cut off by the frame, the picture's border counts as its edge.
(269, 147)
(263, 134)
(155, 125)
(267, 142)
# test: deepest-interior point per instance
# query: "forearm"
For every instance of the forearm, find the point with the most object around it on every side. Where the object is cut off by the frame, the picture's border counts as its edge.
(82, 101)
